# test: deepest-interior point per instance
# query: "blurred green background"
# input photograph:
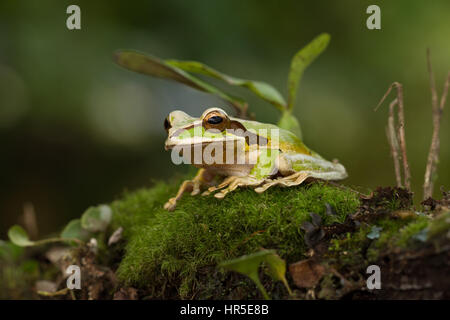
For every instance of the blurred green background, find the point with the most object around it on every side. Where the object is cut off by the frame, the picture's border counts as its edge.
(76, 130)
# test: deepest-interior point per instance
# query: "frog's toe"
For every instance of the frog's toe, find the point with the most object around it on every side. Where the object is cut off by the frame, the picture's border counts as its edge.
(228, 181)
(195, 188)
(221, 194)
(264, 187)
(238, 182)
(211, 190)
(171, 204)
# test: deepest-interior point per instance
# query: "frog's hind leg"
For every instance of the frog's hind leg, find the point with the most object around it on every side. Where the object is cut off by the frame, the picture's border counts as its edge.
(202, 177)
(294, 179)
(231, 184)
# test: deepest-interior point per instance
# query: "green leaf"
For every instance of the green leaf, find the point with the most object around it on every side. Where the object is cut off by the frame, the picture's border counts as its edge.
(277, 269)
(19, 236)
(74, 230)
(290, 122)
(96, 219)
(152, 66)
(301, 60)
(249, 265)
(262, 89)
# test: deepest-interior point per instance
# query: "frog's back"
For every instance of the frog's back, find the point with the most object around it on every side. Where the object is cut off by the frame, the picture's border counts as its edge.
(289, 142)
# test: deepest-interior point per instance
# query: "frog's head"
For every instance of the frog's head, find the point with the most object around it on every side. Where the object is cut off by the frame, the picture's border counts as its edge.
(214, 125)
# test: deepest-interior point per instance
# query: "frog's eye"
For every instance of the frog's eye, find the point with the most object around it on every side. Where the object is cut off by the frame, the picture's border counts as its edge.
(167, 124)
(215, 120)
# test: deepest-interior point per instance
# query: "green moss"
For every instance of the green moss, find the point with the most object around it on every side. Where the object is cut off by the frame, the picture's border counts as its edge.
(349, 249)
(409, 232)
(173, 249)
(357, 249)
(440, 225)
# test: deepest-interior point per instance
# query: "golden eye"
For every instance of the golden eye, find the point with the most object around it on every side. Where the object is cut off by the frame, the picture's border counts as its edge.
(216, 120)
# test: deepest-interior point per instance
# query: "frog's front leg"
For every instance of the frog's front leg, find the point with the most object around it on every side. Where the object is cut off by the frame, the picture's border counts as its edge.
(203, 177)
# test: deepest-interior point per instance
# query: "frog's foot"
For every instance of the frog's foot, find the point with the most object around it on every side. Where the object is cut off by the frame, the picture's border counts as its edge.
(186, 186)
(193, 186)
(232, 183)
(289, 181)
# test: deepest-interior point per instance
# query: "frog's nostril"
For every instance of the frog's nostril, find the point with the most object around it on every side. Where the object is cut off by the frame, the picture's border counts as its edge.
(167, 124)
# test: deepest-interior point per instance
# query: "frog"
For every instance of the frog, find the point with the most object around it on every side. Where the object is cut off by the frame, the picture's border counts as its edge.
(236, 153)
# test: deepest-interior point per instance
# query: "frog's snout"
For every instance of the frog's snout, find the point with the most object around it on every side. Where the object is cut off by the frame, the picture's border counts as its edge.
(167, 145)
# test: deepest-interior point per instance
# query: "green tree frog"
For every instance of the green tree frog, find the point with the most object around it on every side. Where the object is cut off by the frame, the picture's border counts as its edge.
(242, 153)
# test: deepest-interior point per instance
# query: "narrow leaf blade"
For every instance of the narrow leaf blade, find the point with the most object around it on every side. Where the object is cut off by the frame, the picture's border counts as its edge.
(261, 89)
(152, 66)
(289, 122)
(301, 61)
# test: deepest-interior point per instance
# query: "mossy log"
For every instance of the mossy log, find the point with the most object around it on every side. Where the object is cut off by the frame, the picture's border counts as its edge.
(328, 235)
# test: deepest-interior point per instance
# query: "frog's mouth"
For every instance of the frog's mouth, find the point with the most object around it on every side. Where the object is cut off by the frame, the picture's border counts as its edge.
(201, 143)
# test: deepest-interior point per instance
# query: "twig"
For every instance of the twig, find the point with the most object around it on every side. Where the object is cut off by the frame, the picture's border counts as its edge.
(393, 143)
(241, 109)
(437, 109)
(401, 130)
(61, 292)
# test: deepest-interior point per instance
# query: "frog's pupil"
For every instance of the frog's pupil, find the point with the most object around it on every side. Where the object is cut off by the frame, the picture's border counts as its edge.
(215, 120)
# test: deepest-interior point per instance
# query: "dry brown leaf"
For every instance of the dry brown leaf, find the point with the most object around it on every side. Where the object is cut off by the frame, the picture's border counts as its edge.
(404, 214)
(116, 236)
(306, 273)
(46, 286)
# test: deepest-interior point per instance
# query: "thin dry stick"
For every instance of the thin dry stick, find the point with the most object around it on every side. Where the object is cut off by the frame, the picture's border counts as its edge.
(393, 143)
(29, 220)
(437, 109)
(240, 109)
(401, 130)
